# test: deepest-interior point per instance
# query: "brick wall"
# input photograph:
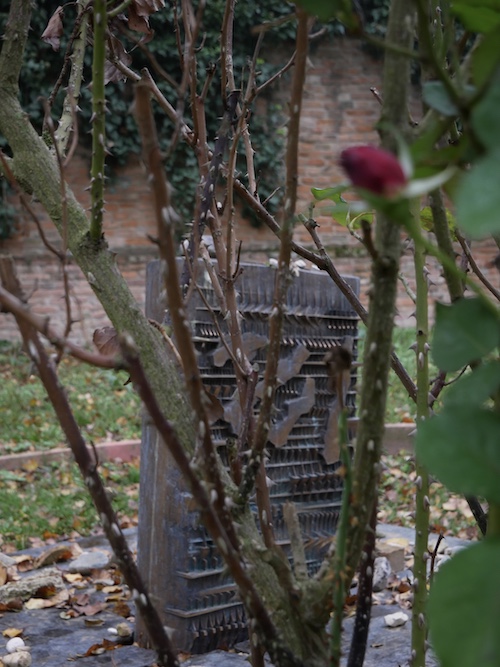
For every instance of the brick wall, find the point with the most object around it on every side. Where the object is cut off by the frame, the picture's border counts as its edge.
(339, 110)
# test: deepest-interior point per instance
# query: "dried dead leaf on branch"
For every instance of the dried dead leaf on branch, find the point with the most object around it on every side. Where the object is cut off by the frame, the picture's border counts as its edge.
(106, 340)
(54, 30)
(139, 12)
(111, 72)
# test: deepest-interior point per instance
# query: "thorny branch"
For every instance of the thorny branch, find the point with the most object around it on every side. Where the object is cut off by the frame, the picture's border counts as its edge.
(168, 251)
(19, 309)
(283, 272)
(210, 515)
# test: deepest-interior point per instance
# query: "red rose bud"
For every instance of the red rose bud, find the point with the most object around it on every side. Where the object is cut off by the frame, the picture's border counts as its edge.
(373, 169)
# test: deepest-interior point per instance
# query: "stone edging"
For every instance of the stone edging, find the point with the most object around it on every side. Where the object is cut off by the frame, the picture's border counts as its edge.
(396, 438)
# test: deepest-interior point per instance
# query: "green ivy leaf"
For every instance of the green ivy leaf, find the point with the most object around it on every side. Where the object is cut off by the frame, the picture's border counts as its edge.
(484, 118)
(478, 15)
(486, 57)
(478, 198)
(427, 221)
(464, 606)
(436, 96)
(320, 194)
(464, 332)
(326, 10)
(460, 447)
(476, 387)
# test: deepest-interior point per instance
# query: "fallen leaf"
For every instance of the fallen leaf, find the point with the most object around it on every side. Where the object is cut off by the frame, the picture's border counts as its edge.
(93, 621)
(121, 608)
(35, 603)
(43, 603)
(45, 592)
(16, 604)
(112, 589)
(98, 649)
(53, 555)
(90, 609)
(24, 563)
(12, 632)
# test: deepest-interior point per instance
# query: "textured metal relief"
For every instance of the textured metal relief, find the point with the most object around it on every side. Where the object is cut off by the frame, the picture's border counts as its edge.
(302, 449)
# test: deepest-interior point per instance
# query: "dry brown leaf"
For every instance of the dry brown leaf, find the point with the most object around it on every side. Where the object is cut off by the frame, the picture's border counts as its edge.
(45, 592)
(112, 589)
(121, 608)
(43, 603)
(114, 75)
(98, 649)
(24, 563)
(3, 574)
(92, 622)
(12, 632)
(54, 30)
(90, 609)
(106, 340)
(16, 604)
(53, 555)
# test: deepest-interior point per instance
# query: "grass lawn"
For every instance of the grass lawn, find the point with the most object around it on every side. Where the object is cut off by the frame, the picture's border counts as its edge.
(46, 502)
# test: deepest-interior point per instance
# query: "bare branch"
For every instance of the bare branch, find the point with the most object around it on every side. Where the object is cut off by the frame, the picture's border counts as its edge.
(165, 219)
(256, 609)
(20, 310)
(474, 266)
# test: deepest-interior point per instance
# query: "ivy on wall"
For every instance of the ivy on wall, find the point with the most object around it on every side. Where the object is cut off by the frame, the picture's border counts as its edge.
(43, 66)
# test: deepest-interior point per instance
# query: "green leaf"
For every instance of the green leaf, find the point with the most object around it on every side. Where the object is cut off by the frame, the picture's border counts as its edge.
(478, 15)
(484, 118)
(478, 198)
(436, 96)
(476, 387)
(320, 194)
(427, 220)
(464, 332)
(326, 10)
(460, 447)
(485, 57)
(464, 605)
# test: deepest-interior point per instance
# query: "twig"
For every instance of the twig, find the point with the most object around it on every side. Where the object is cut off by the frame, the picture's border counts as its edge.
(474, 266)
(165, 219)
(213, 173)
(25, 203)
(210, 515)
(327, 265)
(41, 324)
(64, 259)
(98, 122)
(283, 275)
(70, 52)
(68, 123)
(359, 637)
(434, 554)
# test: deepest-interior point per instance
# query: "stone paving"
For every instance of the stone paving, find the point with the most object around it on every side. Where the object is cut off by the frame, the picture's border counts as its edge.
(54, 640)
